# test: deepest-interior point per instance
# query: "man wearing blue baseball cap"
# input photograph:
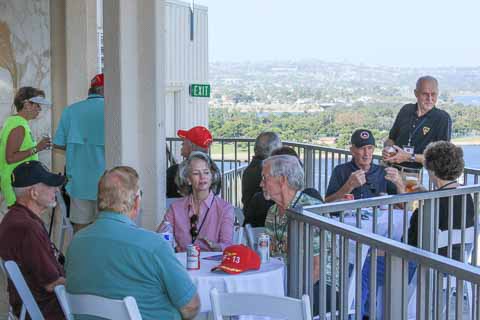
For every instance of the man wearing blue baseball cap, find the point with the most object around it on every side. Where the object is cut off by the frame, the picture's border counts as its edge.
(361, 177)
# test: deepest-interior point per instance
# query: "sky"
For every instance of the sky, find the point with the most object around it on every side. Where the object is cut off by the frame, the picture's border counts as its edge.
(403, 33)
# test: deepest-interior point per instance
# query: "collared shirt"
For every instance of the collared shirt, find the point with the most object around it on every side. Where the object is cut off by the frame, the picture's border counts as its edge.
(23, 239)
(276, 227)
(375, 184)
(114, 258)
(81, 131)
(435, 125)
(216, 226)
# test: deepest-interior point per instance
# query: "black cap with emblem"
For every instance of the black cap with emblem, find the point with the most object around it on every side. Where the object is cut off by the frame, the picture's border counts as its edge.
(362, 137)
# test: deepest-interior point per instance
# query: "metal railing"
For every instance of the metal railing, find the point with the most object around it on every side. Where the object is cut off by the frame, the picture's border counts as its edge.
(319, 162)
(349, 241)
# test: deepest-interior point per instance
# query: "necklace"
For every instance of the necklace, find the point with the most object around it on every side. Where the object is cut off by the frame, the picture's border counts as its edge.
(447, 184)
(203, 221)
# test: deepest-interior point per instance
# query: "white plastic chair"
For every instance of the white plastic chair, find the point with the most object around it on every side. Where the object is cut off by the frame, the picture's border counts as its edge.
(442, 241)
(29, 303)
(86, 304)
(240, 217)
(65, 227)
(236, 304)
(237, 235)
(252, 235)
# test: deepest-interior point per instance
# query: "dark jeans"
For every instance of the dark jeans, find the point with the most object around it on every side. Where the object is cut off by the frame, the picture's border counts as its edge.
(316, 291)
(380, 280)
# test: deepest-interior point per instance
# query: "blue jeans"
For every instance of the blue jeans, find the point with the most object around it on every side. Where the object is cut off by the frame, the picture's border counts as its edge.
(380, 281)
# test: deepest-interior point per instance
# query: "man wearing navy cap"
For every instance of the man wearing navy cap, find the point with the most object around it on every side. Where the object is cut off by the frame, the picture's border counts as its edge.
(24, 239)
(360, 176)
(81, 134)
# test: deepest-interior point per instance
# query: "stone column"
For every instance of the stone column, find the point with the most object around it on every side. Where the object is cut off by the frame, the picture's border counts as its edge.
(134, 40)
(74, 62)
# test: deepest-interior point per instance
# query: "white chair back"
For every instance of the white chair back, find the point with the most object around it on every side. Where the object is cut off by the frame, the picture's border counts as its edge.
(29, 303)
(457, 239)
(86, 304)
(252, 235)
(235, 304)
(442, 242)
(237, 235)
(66, 228)
(239, 216)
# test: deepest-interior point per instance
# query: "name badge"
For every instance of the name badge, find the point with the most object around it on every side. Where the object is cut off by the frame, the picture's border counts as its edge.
(408, 149)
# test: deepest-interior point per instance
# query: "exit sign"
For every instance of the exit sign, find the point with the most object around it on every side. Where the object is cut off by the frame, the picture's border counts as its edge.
(200, 90)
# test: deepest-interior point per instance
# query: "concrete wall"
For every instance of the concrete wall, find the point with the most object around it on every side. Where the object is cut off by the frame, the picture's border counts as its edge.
(186, 63)
(25, 58)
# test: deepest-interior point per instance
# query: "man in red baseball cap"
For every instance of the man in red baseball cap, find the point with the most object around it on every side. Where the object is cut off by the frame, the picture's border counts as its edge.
(80, 133)
(197, 138)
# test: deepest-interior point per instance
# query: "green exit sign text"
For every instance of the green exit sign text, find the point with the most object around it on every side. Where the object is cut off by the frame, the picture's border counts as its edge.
(200, 90)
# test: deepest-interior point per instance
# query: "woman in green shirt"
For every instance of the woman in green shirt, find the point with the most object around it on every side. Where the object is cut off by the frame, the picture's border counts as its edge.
(17, 144)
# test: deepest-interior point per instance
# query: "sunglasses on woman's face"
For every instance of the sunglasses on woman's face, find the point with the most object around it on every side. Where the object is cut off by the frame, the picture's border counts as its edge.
(193, 224)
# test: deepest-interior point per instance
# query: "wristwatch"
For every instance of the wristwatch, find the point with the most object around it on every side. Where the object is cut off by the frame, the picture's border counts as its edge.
(34, 150)
(412, 157)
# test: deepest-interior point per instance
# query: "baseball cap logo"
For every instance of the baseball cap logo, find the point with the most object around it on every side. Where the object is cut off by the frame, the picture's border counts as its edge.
(364, 135)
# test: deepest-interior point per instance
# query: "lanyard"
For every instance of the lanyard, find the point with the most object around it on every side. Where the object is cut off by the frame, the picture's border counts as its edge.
(203, 221)
(415, 128)
(280, 235)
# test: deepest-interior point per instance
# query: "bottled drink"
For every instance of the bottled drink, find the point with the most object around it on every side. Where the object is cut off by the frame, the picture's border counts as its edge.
(166, 231)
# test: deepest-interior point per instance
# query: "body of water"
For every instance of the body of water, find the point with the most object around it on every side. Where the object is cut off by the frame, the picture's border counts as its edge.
(471, 155)
(467, 100)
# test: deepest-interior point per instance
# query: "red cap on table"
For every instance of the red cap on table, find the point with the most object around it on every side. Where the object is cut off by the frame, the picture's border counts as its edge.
(238, 258)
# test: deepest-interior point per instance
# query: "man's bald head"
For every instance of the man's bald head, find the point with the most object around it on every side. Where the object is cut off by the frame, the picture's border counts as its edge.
(117, 189)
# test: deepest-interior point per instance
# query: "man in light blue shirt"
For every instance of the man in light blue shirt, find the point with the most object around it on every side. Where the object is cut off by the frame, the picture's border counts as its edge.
(81, 134)
(114, 258)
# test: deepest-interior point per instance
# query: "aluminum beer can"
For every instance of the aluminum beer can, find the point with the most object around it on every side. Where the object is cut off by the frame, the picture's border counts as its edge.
(263, 247)
(193, 257)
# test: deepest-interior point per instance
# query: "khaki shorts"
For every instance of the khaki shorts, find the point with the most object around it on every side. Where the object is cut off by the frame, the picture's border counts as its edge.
(83, 211)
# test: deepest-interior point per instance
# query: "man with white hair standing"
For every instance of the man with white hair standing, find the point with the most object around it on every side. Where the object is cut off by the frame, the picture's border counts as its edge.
(416, 125)
(24, 239)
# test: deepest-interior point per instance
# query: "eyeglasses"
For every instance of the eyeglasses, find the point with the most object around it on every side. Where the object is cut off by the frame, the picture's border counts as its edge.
(193, 227)
(265, 176)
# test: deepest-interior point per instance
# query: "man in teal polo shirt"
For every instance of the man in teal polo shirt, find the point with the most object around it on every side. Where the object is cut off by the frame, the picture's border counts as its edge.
(81, 134)
(114, 258)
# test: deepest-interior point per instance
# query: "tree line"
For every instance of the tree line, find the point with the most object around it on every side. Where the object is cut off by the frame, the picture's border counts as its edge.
(338, 122)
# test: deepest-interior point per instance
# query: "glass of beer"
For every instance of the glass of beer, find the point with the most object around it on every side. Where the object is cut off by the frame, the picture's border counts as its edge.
(411, 180)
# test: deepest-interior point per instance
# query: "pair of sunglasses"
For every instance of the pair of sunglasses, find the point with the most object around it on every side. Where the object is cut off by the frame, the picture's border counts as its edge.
(193, 227)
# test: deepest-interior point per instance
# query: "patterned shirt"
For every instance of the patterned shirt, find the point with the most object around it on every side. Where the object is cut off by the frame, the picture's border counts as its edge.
(276, 227)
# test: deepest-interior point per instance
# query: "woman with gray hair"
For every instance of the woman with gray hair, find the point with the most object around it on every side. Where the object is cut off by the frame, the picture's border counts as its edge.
(200, 217)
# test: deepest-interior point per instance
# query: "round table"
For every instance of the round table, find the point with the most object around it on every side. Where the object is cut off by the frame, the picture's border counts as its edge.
(269, 279)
